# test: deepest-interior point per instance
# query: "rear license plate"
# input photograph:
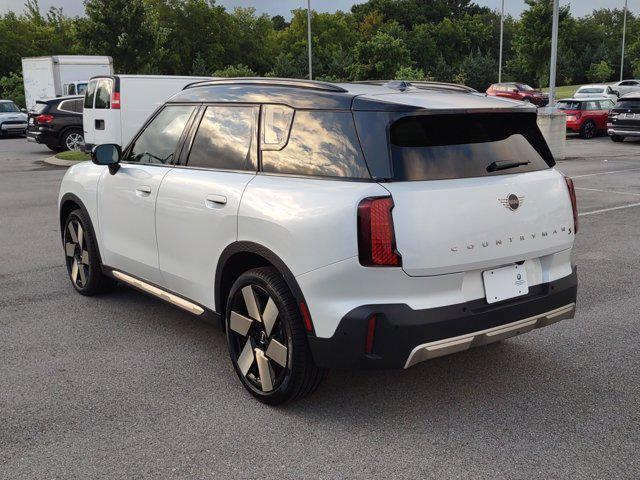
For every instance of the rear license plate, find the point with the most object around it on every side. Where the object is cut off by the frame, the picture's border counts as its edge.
(504, 283)
(31, 121)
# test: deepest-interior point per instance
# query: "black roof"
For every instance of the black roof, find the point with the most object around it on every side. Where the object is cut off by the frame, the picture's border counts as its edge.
(373, 95)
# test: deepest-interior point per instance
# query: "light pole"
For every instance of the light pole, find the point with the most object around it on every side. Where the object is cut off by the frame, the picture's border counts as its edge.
(309, 37)
(501, 36)
(624, 34)
(554, 53)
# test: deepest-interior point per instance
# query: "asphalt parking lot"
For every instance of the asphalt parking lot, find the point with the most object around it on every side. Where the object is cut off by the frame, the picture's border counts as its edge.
(126, 386)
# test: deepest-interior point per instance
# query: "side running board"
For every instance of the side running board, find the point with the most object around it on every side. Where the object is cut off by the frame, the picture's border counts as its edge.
(166, 296)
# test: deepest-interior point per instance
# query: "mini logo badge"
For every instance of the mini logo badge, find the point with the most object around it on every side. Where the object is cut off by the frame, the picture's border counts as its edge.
(512, 202)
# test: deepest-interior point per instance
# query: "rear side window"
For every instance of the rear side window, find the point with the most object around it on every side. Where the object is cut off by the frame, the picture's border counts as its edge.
(591, 105)
(71, 106)
(438, 147)
(158, 141)
(321, 143)
(225, 139)
(606, 104)
(103, 94)
(568, 105)
(90, 94)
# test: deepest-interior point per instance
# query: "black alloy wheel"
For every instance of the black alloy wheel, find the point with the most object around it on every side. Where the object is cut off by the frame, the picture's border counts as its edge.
(588, 130)
(267, 341)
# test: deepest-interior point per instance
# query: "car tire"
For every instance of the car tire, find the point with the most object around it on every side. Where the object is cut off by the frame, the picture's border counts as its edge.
(270, 353)
(617, 138)
(72, 140)
(588, 130)
(82, 257)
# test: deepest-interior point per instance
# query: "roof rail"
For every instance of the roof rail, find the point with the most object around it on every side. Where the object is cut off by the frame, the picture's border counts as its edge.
(421, 84)
(274, 82)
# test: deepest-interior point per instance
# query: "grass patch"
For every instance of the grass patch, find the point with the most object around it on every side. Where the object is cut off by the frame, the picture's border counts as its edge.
(73, 155)
(566, 91)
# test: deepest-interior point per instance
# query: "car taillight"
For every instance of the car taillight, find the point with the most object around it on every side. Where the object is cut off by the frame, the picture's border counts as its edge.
(376, 238)
(574, 203)
(44, 118)
(115, 100)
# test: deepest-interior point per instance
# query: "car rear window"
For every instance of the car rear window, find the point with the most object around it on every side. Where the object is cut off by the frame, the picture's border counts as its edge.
(39, 107)
(568, 105)
(630, 103)
(322, 144)
(89, 94)
(438, 147)
(590, 90)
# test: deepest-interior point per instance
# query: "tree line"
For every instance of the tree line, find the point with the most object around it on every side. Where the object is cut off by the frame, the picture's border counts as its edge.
(442, 40)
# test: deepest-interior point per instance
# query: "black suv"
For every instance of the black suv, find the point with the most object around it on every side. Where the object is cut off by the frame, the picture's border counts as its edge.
(624, 118)
(57, 123)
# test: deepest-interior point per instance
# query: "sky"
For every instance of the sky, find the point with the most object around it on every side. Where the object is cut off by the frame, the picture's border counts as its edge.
(283, 7)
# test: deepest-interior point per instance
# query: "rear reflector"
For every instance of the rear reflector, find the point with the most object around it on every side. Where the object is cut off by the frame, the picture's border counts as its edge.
(371, 332)
(306, 317)
(44, 118)
(574, 203)
(115, 100)
(376, 238)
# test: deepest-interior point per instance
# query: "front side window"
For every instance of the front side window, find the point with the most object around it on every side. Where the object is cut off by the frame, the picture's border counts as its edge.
(90, 94)
(225, 139)
(439, 147)
(72, 89)
(321, 143)
(103, 94)
(158, 142)
(568, 105)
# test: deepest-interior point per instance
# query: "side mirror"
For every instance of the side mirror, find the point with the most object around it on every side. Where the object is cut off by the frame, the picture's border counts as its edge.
(107, 154)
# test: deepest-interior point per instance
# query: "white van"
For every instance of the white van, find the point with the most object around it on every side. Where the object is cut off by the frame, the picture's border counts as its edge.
(116, 106)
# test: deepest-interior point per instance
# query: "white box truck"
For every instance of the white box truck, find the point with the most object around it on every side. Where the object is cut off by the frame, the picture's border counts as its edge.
(116, 106)
(58, 75)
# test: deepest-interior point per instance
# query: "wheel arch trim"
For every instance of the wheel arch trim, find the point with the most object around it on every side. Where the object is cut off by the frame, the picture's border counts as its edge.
(246, 247)
(70, 197)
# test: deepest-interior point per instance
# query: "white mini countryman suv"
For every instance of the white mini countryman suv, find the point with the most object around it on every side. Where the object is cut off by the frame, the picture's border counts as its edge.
(370, 225)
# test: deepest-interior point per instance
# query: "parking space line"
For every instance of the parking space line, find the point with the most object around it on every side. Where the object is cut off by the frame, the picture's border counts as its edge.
(609, 209)
(608, 191)
(605, 173)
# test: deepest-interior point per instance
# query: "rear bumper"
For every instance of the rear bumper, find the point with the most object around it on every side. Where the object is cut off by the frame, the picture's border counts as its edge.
(624, 131)
(43, 136)
(404, 337)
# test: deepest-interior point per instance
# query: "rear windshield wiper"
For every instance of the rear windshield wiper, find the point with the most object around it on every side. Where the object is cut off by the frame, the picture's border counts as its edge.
(504, 164)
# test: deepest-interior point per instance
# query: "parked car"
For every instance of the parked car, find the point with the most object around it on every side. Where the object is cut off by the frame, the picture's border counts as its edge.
(116, 106)
(597, 91)
(57, 123)
(331, 225)
(519, 91)
(626, 86)
(586, 117)
(624, 118)
(13, 121)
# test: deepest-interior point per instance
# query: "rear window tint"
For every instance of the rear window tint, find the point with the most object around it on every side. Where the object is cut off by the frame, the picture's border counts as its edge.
(224, 139)
(39, 108)
(628, 103)
(438, 147)
(321, 143)
(103, 94)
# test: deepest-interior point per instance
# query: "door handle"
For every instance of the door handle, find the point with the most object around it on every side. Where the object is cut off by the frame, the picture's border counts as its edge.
(213, 201)
(143, 191)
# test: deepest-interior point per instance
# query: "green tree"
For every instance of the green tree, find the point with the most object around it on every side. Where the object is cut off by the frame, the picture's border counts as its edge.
(532, 41)
(600, 72)
(409, 73)
(234, 71)
(11, 88)
(379, 58)
(121, 29)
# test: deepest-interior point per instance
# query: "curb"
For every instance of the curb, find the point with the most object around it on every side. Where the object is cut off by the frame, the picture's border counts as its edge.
(58, 162)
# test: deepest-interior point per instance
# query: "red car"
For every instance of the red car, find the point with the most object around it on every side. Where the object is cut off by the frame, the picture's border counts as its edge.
(586, 116)
(519, 91)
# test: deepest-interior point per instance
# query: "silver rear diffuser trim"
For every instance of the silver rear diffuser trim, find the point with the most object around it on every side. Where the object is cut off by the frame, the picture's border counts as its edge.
(158, 292)
(430, 350)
